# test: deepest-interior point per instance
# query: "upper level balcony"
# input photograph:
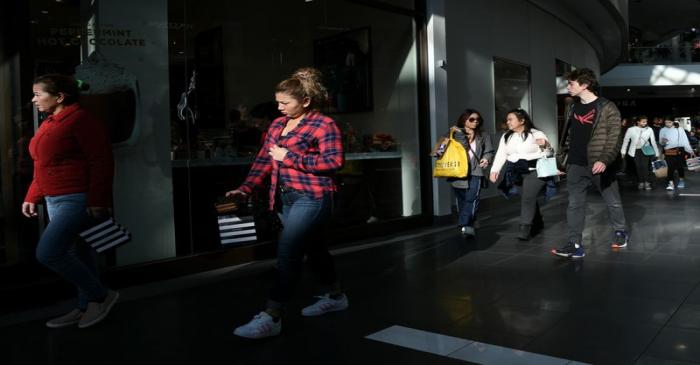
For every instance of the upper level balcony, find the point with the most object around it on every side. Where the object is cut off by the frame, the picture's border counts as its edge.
(664, 55)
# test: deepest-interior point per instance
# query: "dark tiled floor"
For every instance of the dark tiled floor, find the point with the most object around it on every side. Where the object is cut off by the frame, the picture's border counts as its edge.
(637, 305)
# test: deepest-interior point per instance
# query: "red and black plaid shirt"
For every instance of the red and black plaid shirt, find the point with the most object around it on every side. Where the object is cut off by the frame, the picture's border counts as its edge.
(315, 153)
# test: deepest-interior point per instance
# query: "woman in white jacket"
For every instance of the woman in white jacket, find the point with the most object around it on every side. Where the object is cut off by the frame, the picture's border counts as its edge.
(518, 151)
(636, 138)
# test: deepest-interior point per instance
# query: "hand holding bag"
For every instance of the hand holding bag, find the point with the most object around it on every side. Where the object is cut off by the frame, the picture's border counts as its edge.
(693, 163)
(547, 165)
(454, 162)
(234, 229)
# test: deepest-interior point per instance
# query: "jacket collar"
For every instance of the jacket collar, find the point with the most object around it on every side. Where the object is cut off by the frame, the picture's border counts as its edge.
(63, 114)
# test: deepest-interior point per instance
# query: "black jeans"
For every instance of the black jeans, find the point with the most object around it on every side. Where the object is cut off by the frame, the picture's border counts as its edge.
(643, 163)
(675, 163)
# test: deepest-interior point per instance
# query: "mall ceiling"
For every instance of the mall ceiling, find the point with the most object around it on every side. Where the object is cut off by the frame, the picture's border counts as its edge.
(658, 20)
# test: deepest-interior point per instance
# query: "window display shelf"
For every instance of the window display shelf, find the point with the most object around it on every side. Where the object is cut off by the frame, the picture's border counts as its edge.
(235, 161)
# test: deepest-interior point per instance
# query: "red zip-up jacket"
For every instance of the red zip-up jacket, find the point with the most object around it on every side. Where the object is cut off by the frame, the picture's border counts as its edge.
(72, 153)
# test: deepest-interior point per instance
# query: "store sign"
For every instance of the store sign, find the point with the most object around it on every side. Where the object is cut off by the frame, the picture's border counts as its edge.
(60, 37)
(111, 36)
(104, 36)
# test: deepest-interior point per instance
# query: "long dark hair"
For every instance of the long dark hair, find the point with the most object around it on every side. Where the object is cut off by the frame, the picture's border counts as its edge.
(522, 115)
(462, 120)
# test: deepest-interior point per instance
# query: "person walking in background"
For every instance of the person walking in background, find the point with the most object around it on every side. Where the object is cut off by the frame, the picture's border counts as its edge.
(518, 151)
(73, 174)
(640, 144)
(301, 153)
(590, 144)
(693, 139)
(675, 143)
(467, 131)
(656, 126)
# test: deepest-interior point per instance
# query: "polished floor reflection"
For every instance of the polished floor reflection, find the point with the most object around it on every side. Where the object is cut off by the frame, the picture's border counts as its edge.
(639, 305)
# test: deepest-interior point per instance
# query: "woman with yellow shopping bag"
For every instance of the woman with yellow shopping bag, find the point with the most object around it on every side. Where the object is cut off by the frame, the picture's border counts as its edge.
(478, 152)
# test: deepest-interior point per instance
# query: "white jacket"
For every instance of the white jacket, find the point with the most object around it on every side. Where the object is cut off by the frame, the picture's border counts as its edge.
(516, 149)
(636, 138)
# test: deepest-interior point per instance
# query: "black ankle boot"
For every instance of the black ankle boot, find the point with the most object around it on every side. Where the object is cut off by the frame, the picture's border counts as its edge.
(524, 233)
(537, 226)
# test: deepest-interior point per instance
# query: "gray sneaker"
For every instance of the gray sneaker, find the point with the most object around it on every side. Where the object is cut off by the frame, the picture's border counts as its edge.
(66, 320)
(324, 305)
(98, 311)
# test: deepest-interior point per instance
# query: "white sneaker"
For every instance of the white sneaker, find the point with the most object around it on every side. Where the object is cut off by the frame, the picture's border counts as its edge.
(647, 186)
(640, 186)
(670, 185)
(260, 326)
(324, 305)
(468, 231)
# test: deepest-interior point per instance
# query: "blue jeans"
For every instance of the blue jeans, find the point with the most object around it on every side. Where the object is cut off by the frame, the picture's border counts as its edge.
(59, 250)
(468, 201)
(304, 218)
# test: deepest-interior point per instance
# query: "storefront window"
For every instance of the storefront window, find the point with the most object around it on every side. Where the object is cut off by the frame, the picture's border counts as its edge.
(511, 87)
(187, 90)
(238, 54)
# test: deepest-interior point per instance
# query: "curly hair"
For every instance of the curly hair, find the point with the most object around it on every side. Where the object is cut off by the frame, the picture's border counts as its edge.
(584, 76)
(305, 82)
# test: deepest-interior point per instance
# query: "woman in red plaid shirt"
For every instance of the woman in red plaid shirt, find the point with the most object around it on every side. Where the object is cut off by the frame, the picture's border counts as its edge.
(301, 152)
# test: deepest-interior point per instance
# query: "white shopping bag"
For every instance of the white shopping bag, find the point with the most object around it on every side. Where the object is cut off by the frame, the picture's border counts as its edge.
(105, 235)
(235, 230)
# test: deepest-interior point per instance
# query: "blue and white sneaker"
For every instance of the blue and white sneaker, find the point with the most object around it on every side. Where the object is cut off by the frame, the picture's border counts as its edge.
(681, 184)
(621, 239)
(570, 250)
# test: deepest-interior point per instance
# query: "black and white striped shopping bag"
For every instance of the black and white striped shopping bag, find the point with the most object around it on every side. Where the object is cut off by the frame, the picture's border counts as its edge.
(106, 235)
(235, 230)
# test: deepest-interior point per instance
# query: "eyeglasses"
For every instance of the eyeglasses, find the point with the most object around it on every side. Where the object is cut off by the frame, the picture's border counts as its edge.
(474, 119)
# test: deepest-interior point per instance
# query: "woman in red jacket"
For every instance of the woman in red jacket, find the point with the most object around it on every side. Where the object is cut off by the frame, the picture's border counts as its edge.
(73, 172)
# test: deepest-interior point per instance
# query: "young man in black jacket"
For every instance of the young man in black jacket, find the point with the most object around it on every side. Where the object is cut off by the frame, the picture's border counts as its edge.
(590, 145)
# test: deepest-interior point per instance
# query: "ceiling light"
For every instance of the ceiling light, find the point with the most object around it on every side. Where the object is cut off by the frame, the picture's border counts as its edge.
(44, 11)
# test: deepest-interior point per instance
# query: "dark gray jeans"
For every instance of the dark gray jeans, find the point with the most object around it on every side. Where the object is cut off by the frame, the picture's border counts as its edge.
(529, 208)
(579, 179)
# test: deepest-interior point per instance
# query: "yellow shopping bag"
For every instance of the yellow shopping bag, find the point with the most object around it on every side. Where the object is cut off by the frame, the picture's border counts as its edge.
(454, 162)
